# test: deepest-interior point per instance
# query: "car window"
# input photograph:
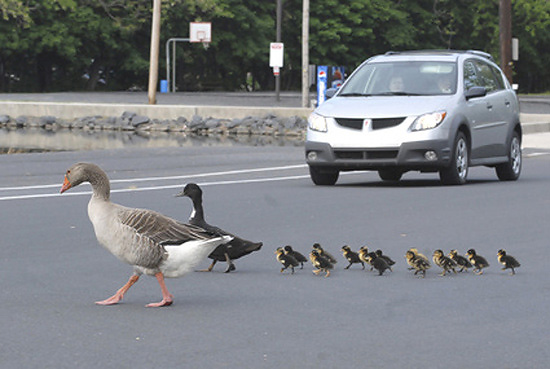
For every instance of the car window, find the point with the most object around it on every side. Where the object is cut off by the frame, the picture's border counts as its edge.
(479, 73)
(486, 76)
(402, 78)
(470, 75)
(498, 77)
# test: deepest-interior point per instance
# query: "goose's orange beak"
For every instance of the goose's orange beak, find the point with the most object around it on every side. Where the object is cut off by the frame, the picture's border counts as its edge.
(66, 185)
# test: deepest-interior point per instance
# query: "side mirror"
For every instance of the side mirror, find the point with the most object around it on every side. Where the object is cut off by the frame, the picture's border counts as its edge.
(330, 92)
(476, 91)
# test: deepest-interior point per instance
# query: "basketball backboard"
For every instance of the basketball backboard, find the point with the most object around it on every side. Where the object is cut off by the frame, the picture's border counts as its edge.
(200, 32)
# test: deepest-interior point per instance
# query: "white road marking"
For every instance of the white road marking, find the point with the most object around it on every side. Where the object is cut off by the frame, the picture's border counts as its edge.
(169, 178)
(535, 154)
(163, 187)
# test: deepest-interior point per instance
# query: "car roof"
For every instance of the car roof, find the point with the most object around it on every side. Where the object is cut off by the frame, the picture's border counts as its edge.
(440, 55)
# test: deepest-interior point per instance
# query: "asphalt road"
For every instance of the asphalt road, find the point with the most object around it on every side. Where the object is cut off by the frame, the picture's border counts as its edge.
(52, 268)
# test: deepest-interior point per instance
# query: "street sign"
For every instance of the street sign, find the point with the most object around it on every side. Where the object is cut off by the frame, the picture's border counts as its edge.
(276, 54)
(322, 71)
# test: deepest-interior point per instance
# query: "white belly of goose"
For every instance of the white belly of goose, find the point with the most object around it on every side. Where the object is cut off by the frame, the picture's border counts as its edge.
(185, 258)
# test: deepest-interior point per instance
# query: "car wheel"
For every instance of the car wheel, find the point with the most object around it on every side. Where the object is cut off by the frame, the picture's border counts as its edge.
(323, 177)
(457, 172)
(511, 170)
(390, 174)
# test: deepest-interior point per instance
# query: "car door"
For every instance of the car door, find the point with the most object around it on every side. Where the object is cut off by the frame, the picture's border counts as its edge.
(488, 128)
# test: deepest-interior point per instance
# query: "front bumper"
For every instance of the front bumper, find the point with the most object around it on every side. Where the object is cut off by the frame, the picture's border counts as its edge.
(409, 156)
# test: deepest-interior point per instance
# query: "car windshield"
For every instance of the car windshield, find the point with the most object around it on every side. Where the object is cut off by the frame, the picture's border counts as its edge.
(402, 78)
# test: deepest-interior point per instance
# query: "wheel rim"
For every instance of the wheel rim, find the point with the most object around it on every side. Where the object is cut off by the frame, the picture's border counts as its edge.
(515, 155)
(462, 158)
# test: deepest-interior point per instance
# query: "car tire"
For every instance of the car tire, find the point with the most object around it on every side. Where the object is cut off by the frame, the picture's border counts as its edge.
(457, 172)
(393, 175)
(323, 177)
(511, 170)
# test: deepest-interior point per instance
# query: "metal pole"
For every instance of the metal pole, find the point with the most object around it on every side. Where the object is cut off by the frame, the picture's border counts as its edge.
(154, 56)
(305, 54)
(505, 25)
(174, 66)
(168, 64)
(278, 39)
(172, 76)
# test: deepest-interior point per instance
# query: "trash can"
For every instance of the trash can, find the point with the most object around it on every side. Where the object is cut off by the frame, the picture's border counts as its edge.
(163, 86)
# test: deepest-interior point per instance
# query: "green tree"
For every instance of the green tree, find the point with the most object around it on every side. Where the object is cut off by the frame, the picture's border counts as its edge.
(530, 24)
(50, 45)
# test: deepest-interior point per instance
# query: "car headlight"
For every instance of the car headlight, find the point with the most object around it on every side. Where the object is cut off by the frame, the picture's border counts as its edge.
(428, 121)
(317, 122)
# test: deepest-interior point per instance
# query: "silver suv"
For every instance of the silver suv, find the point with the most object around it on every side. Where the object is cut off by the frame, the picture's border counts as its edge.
(428, 111)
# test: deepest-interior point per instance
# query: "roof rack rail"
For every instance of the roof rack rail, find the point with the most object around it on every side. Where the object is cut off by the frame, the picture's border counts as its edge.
(442, 51)
(424, 51)
(481, 53)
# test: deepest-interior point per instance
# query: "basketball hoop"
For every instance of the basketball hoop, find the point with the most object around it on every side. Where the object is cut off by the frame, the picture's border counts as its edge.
(201, 32)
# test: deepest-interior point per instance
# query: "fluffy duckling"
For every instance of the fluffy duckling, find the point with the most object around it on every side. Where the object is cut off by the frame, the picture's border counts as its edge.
(478, 262)
(378, 263)
(227, 252)
(417, 263)
(418, 254)
(296, 255)
(287, 260)
(152, 243)
(366, 256)
(444, 262)
(352, 257)
(320, 262)
(508, 261)
(388, 260)
(324, 253)
(460, 260)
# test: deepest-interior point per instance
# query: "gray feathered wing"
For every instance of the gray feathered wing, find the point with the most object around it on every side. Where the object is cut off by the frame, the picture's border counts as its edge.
(153, 230)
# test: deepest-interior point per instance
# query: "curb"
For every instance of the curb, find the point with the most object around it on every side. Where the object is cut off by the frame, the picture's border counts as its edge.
(161, 112)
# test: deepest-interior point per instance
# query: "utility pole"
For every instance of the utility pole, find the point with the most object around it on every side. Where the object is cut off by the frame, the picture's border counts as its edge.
(305, 53)
(505, 26)
(278, 39)
(154, 54)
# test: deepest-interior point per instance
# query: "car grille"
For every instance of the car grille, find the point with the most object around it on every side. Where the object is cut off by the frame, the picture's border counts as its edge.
(350, 123)
(379, 123)
(365, 154)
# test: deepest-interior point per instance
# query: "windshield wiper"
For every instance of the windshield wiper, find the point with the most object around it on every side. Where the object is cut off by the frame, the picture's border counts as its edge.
(399, 93)
(354, 94)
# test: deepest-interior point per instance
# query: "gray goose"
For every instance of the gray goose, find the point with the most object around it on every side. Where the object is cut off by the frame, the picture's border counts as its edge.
(152, 243)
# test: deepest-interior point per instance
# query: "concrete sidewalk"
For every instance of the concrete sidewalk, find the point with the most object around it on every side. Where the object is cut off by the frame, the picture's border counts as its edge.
(539, 141)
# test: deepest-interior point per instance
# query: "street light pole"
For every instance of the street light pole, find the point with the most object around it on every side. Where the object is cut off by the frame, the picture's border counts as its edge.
(154, 54)
(305, 53)
(505, 26)
(278, 39)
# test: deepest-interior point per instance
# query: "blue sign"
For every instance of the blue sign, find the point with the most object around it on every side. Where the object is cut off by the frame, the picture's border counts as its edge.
(322, 71)
(337, 77)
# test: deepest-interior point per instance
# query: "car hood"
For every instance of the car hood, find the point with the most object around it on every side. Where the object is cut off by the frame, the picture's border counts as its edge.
(382, 106)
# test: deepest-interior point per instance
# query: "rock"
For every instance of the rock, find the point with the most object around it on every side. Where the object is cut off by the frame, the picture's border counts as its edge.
(212, 123)
(4, 119)
(196, 123)
(46, 120)
(128, 115)
(21, 121)
(138, 120)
